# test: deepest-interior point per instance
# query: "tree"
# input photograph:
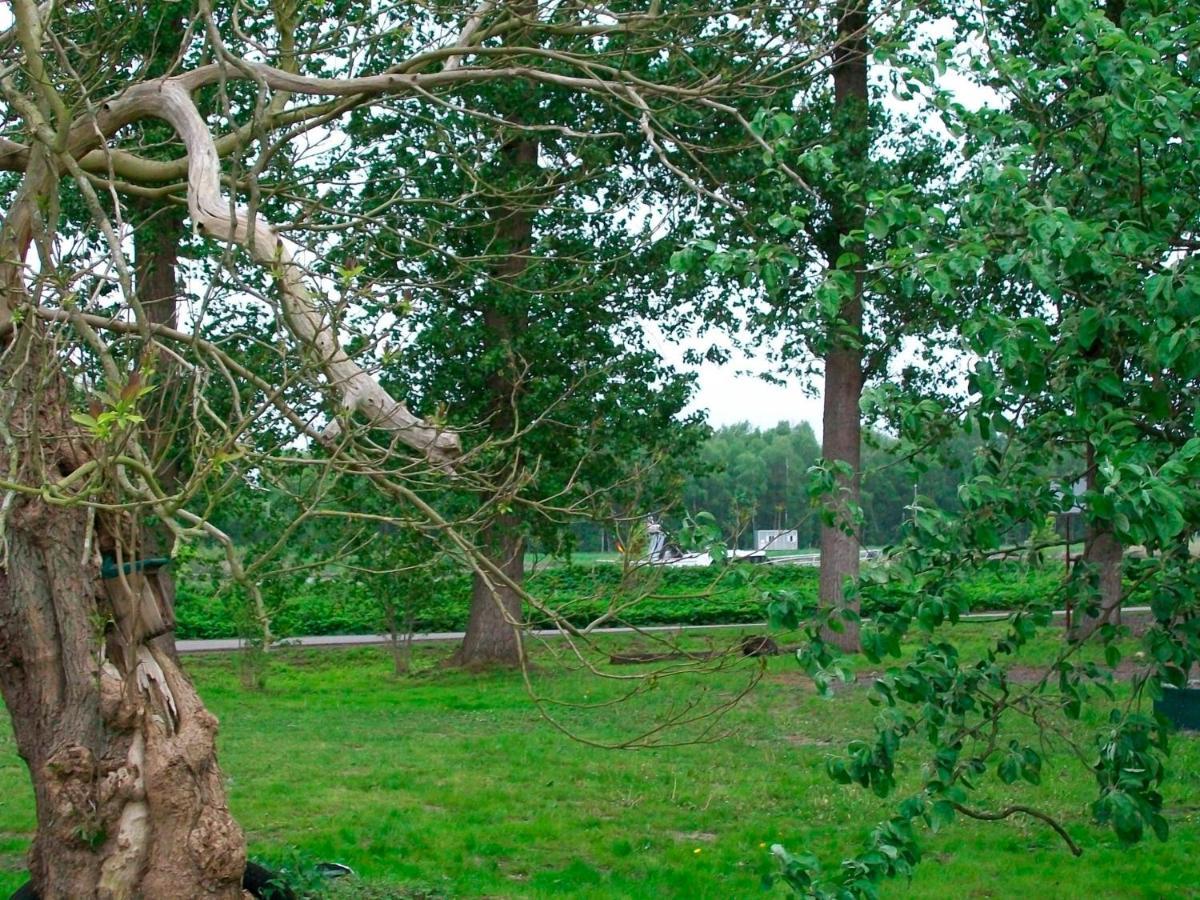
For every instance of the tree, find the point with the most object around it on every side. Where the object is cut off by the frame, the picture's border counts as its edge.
(841, 422)
(527, 324)
(1075, 247)
(841, 182)
(747, 474)
(120, 749)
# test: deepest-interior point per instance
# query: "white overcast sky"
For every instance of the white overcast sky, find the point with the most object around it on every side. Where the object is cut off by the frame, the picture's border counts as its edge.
(730, 398)
(733, 392)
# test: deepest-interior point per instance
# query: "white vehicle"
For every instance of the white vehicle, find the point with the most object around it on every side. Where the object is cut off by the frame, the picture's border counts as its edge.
(673, 556)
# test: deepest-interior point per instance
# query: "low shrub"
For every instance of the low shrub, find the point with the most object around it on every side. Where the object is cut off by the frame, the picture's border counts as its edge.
(333, 604)
(339, 605)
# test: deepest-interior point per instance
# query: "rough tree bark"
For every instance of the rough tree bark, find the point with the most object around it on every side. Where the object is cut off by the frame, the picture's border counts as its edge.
(158, 231)
(129, 798)
(493, 636)
(119, 747)
(841, 423)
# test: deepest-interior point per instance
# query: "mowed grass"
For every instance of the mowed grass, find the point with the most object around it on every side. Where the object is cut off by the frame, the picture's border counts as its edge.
(455, 785)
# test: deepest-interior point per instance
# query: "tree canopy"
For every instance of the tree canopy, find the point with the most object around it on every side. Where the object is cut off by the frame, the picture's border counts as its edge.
(393, 267)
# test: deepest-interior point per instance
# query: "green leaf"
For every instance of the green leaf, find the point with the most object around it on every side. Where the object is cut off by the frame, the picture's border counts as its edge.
(681, 261)
(1008, 262)
(1009, 769)
(1071, 11)
(1161, 829)
(938, 280)
(1089, 327)
(877, 227)
(941, 814)
(782, 223)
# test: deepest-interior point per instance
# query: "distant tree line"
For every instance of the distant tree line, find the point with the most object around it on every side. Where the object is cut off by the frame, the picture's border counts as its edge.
(751, 478)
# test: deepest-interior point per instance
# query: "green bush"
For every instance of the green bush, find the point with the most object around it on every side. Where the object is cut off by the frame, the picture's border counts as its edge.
(338, 605)
(581, 594)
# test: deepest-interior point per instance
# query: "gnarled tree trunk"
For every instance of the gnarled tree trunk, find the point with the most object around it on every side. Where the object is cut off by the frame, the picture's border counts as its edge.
(120, 749)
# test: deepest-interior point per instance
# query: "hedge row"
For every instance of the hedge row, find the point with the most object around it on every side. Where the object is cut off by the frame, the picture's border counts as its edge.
(335, 605)
(345, 606)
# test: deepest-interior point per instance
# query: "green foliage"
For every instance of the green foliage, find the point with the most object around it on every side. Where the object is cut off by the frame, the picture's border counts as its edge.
(1049, 240)
(750, 478)
(111, 415)
(1069, 266)
(527, 328)
(342, 603)
(338, 604)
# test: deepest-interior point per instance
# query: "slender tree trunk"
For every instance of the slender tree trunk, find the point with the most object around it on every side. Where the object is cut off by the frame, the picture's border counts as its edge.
(841, 440)
(120, 749)
(400, 637)
(493, 636)
(1103, 554)
(841, 437)
(399, 667)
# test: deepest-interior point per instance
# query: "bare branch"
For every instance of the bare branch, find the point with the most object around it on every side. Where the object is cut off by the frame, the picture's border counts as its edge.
(359, 392)
(986, 816)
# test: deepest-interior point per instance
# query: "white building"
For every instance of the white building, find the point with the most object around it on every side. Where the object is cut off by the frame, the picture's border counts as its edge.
(767, 539)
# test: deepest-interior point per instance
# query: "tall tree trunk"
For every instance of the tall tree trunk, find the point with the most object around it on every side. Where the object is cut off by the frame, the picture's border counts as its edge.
(493, 636)
(158, 230)
(491, 639)
(841, 440)
(156, 256)
(841, 427)
(157, 233)
(120, 749)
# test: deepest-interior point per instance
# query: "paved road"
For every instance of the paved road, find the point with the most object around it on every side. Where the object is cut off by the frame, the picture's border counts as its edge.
(224, 645)
(366, 640)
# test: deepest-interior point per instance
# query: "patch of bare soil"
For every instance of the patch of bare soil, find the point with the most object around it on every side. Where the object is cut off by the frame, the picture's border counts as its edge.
(791, 677)
(804, 740)
(704, 837)
(1033, 674)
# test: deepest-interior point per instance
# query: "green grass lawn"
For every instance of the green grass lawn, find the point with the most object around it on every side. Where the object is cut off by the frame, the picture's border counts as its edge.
(445, 784)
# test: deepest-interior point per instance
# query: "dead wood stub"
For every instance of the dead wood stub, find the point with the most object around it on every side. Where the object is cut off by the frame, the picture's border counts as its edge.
(759, 645)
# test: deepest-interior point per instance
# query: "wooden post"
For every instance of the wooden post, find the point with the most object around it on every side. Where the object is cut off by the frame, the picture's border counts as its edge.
(140, 605)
